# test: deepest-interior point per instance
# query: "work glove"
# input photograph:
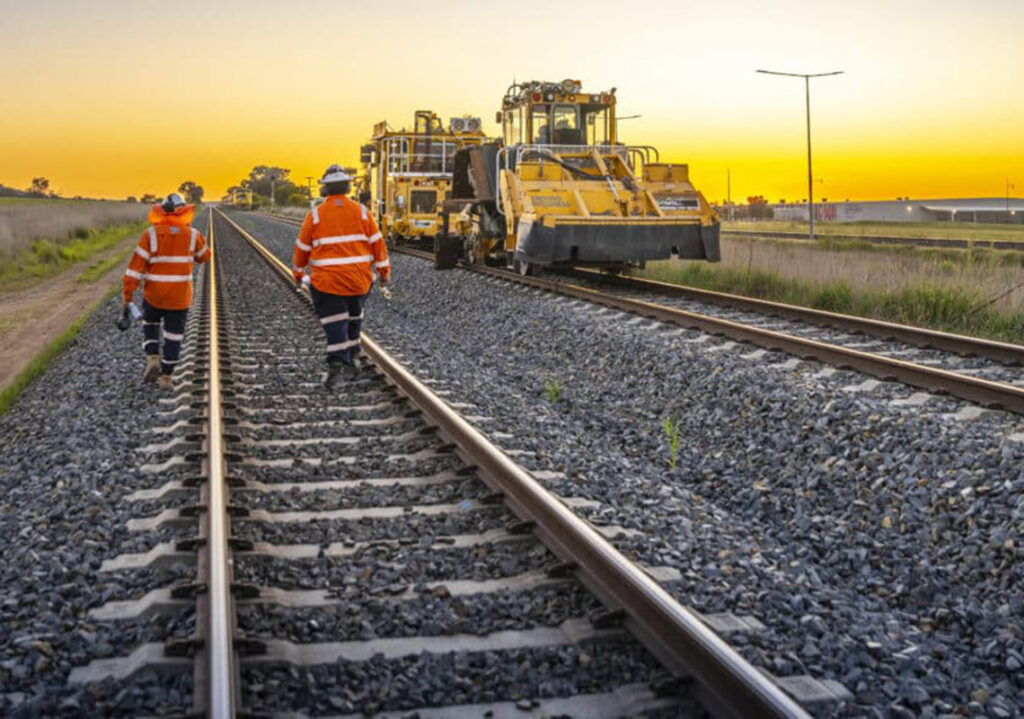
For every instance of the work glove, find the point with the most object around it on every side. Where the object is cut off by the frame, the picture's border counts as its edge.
(298, 275)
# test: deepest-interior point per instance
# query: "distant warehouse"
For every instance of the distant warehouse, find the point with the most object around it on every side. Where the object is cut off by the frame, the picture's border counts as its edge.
(981, 209)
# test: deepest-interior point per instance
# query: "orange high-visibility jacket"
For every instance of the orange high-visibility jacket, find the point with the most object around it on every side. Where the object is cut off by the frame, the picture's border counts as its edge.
(340, 243)
(164, 258)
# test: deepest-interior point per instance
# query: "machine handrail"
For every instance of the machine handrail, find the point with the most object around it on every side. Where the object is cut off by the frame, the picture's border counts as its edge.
(624, 151)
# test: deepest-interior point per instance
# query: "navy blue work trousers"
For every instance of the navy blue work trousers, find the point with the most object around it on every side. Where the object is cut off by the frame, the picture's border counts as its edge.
(173, 322)
(342, 319)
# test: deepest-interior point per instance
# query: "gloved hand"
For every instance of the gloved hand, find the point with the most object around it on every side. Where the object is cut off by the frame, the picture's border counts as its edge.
(384, 280)
(298, 275)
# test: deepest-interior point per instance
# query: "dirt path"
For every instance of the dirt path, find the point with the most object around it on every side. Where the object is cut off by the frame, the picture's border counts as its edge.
(32, 318)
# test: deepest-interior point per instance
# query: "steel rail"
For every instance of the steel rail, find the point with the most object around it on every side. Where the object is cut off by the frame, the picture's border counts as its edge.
(219, 646)
(874, 239)
(1004, 352)
(725, 682)
(920, 336)
(987, 393)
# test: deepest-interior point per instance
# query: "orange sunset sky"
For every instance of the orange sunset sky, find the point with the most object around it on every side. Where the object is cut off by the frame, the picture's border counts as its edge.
(121, 98)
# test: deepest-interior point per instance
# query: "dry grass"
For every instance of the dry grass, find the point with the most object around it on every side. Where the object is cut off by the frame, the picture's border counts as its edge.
(295, 213)
(22, 223)
(974, 292)
(936, 230)
(979, 272)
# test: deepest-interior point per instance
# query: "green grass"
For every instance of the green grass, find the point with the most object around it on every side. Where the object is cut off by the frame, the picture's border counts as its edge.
(45, 257)
(940, 230)
(950, 309)
(671, 427)
(553, 390)
(101, 267)
(46, 357)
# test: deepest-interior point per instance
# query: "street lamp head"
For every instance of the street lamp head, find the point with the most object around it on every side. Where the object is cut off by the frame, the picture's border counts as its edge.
(801, 74)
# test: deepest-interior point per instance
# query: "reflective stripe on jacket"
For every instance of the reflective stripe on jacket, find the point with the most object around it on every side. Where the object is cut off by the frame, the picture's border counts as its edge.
(163, 260)
(341, 245)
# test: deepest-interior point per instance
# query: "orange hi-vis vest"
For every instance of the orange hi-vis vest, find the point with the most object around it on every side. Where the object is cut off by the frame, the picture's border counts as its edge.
(164, 259)
(341, 245)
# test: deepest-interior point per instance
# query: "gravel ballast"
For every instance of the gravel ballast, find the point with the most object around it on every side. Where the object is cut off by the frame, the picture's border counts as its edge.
(388, 573)
(69, 461)
(879, 543)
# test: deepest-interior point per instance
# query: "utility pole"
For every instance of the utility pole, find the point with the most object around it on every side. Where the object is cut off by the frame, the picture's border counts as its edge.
(728, 191)
(1008, 188)
(309, 182)
(807, 94)
(273, 200)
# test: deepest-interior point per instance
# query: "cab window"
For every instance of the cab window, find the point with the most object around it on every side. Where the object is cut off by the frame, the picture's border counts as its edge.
(422, 202)
(513, 122)
(597, 125)
(566, 121)
(539, 125)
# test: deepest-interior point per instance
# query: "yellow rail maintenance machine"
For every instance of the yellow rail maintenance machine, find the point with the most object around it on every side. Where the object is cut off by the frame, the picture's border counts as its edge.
(242, 199)
(558, 188)
(407, 175)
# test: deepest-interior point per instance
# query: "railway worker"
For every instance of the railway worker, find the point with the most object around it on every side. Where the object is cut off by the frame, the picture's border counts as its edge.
(340, 244)
(163, 262)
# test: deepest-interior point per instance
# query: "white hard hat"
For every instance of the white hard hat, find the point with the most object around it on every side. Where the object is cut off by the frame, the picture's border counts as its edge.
(335, 173)
(172, 202)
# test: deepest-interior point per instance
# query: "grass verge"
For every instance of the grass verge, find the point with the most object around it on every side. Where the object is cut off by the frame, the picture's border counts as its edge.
(939, 230)
(46, 257)
(946, 308)
(958, 256)
(97, 269)
(48, 354)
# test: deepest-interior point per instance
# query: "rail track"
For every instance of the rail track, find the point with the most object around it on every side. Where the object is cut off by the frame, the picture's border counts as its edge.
(938, 362)
(371, 551)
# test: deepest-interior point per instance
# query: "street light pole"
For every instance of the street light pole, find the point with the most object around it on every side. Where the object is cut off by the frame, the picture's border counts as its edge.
(807, 96)
(728, 191)
(1008, 188)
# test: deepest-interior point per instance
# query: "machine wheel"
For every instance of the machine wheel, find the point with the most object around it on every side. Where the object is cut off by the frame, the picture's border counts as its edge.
(613, 269)
(527, 269)
(471, 250)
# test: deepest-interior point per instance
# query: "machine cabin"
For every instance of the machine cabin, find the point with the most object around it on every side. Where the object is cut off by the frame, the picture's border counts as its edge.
(557, 114)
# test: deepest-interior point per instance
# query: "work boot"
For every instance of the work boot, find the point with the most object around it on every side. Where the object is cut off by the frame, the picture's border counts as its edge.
(166, 382)
(335, 374)
(152, 368)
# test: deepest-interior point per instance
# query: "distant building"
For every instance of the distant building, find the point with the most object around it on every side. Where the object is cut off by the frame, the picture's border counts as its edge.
(981, 209)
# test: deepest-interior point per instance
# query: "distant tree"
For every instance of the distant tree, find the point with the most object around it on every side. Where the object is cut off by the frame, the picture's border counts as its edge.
(191, 191)
(758, 209)
(39, 186)
(148, 199)
(264, 177)
(131, 198)
(284, 192)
